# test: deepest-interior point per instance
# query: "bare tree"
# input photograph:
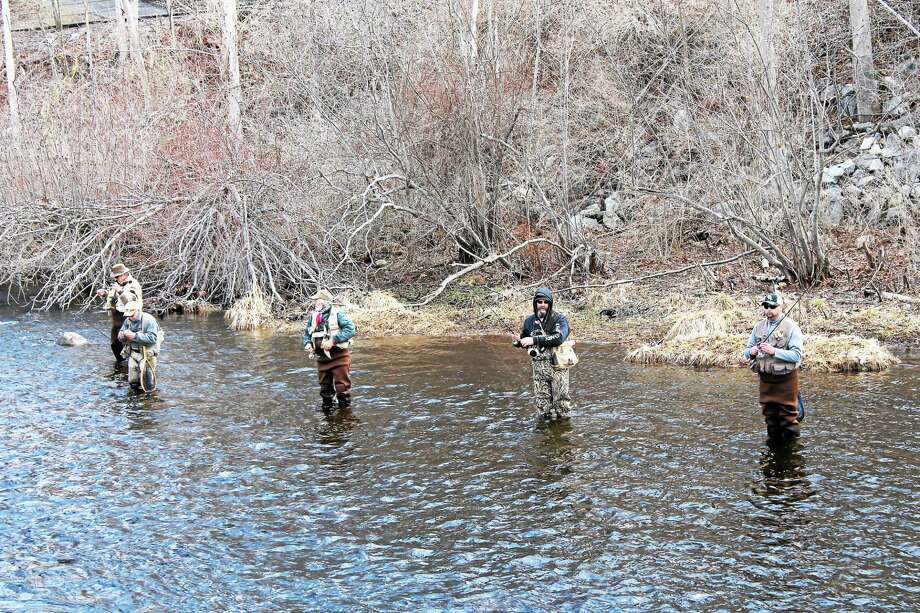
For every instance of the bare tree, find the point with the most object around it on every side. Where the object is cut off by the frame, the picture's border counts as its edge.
(867, 98)
(10, 62)
(232, 59)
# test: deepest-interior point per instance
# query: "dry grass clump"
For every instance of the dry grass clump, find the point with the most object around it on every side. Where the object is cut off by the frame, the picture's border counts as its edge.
(713, 338)
(702, 339)
(197, 306)
(719, 350)
(846, 353)
(382, 314)
(886, 323)
(250, 312)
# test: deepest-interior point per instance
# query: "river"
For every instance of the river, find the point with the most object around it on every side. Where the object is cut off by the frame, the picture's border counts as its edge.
(227, 489)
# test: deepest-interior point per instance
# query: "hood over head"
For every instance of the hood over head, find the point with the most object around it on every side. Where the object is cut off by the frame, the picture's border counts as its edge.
(546, 294)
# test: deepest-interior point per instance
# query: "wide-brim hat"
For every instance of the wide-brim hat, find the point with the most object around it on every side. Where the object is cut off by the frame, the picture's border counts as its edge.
(118, 270)
(322, 295)
(772, 300)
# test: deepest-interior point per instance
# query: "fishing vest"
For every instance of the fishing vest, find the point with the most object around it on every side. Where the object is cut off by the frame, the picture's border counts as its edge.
(131, 286)
(779, 339)
(332, 328)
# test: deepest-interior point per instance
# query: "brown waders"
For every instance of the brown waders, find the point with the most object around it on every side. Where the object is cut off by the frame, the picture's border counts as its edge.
(779, 402)
(118, 319)
(334, 377)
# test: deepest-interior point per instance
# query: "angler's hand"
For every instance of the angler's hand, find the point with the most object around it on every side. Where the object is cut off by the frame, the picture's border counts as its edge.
(527, 341)
(765, 348)
(101, 292)
(129, 335)
(753, 352)
(328, 344)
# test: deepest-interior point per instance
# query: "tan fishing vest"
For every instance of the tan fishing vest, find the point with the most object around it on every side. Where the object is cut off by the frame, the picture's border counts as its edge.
(131, 286)
(334, 328)
(779, 339)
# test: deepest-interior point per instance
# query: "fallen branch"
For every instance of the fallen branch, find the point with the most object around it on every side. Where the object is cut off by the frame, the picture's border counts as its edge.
(477, 265)
(899, 297)
(659, 274)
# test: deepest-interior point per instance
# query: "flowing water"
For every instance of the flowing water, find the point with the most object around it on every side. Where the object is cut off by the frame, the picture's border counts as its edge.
(229, 490)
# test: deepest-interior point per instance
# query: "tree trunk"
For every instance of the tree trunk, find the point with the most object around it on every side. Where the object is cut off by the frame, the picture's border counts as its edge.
(121, 33)
(10, 70)
(867, 101)
(134, 38)
(231, 56)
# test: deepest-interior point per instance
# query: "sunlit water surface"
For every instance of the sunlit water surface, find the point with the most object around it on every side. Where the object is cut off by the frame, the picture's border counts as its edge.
(229, 490)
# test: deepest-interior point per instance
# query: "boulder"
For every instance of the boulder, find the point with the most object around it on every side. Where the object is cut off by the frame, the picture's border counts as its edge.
(832, 174)
(907, 132)
(832, 211)
(846, 101)
(613, 211)
(909, 67)
(71, 339)
(869, 163)
(894, 106)
(893, 147)
(585, 223)
(898, 215)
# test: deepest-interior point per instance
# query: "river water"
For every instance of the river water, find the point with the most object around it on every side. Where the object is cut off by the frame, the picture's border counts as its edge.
(229, 490)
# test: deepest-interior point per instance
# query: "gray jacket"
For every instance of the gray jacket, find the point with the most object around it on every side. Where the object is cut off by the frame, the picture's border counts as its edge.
(148, 333)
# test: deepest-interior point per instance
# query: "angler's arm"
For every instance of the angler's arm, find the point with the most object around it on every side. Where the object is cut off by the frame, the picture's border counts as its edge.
(750, 345)
(558, 336)
(346, 329)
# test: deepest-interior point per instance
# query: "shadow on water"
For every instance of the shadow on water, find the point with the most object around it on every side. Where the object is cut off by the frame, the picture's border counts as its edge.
(784, 485)
(438, 490)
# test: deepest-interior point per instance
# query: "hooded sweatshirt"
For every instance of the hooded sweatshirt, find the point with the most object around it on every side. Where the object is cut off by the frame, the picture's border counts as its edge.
(552, 330)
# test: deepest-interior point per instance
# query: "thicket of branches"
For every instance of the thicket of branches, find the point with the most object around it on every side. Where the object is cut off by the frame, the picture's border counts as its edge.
(406, 141)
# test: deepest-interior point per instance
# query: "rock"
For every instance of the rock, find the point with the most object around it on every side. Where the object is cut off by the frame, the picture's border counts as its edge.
(846, 101)
(867, 142)
(863, 179)
(833, 173)
(894, 106)
(71, 339)
(585, 223)
(897, 215)
(852, 193)
(595, 210)
(907, 132)
(613, 211)
(909, 67)
(869, 163)
(832, 213)
(893, 147)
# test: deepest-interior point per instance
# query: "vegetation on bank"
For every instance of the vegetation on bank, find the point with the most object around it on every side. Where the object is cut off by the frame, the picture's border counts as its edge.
(689, 329)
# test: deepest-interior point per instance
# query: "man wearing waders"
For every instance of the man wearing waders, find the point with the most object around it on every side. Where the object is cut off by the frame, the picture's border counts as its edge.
(775, 351)
(326, 339)
(543, 331)
(142, 337)
(125, 289)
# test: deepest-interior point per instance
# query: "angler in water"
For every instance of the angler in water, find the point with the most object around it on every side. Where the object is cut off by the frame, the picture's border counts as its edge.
(541, 333)
(327, 339)
(775, 351)
(124, 289)
(142, 338)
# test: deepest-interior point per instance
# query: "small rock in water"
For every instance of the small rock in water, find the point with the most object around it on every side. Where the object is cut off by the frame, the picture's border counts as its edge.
(71, 339)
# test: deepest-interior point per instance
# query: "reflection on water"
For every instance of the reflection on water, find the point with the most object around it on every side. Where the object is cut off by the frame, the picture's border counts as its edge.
(228, 489)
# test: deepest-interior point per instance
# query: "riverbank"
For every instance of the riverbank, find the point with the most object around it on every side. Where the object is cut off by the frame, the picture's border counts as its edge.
(699, 329)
